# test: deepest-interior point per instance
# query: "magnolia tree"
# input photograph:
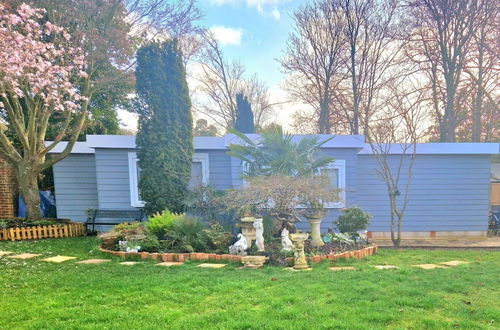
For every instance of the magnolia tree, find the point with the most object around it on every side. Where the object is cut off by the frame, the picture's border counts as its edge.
(41, 74)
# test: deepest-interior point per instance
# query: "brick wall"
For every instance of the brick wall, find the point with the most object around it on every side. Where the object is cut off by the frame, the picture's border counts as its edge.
(8, 189)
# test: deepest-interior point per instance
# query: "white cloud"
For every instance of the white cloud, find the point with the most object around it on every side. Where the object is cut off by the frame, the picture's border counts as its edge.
(226, 35)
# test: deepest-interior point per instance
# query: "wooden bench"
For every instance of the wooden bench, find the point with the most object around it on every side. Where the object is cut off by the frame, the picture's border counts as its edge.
(122, 215)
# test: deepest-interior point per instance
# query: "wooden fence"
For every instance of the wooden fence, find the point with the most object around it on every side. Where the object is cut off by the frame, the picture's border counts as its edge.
(36, 232)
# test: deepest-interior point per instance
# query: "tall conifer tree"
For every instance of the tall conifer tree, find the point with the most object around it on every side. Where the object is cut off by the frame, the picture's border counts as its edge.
(244, 115)
(164, 139)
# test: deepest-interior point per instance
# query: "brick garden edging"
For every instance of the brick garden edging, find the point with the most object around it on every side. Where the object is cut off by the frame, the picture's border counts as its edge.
(181, 257)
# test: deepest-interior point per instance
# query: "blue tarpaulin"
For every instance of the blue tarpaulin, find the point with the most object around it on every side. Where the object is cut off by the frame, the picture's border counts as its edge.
(47, 205)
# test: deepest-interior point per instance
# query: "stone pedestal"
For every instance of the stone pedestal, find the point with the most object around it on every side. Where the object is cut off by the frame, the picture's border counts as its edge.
(316, 232)
(248, 231)
(299, 260)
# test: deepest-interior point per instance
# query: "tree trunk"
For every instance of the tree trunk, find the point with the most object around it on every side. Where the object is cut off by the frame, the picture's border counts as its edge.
(324, 118)
(27, 177)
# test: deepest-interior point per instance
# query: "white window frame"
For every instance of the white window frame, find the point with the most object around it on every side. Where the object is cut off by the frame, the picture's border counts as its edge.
(205, 166)
(135, 200)
(338, 165)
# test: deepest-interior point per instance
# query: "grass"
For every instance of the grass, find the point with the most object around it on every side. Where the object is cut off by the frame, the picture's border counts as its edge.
(35, 295)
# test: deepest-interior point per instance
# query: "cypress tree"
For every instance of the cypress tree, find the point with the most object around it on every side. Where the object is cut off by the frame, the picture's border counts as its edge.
(164, 139)
(244, 115)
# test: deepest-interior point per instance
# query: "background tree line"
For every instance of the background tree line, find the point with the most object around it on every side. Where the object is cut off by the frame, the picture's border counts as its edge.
(347, 59)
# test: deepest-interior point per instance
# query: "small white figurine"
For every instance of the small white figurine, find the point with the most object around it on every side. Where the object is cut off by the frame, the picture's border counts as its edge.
(239, 248)
(285, 240)
(259, 234)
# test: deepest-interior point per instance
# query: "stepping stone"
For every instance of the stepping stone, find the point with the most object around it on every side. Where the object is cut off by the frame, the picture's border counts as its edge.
(4, 253)
(212, 265)
(94, 261)
(169, 263)
(336, 269)
(428, 266)
(58, 259)
(24, 256)
(453, 263)
(386, 267)
(297, 270)
(130, 263)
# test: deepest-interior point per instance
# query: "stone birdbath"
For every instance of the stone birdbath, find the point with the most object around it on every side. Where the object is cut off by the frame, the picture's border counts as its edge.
(299, 260)
(315, 219)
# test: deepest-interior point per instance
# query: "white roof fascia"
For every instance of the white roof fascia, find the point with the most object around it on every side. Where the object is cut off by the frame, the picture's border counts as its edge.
(78, 148)
(440, 149)
(128, 142)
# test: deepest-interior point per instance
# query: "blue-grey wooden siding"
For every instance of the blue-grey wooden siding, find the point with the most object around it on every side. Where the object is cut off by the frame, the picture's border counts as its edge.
(75, 186)
(448, 193)
(113, 187)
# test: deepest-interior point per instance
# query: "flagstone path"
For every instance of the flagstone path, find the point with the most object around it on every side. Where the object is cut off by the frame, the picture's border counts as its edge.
(94, 261)
(336, 269)
(212, 265)
(386, 267)
(428, 266)
(59, 259)
(169, 263)
(24, 256)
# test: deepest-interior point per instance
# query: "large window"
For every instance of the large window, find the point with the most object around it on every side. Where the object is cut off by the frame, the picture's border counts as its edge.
(199, 175)
(336, 172)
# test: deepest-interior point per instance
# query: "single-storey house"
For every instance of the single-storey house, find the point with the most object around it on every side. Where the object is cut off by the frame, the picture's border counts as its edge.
(449, 194)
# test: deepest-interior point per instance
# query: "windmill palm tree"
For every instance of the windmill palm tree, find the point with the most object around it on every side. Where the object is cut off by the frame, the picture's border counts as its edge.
(278, 153)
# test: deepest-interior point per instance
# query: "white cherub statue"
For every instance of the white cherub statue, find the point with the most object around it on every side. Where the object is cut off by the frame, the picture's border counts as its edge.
(239, 248)
(285, 240)
(259, 234)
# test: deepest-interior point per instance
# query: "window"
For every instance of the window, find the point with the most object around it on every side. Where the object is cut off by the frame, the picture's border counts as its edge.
(199, 175)
(134, 172)
(336, 172)
(199, 170)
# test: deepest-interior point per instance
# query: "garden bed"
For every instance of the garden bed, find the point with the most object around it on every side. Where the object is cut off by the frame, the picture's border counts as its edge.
(16, 229)
(181, 257)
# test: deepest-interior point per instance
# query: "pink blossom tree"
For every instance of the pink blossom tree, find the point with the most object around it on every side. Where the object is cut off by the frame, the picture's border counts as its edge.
(41, 74)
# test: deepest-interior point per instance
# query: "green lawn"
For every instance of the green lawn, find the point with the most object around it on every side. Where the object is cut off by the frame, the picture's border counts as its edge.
(37, 295)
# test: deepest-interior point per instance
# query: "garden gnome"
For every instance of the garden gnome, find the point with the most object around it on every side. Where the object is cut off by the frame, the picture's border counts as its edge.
(259, 234)
(286, 243)
(239, 248)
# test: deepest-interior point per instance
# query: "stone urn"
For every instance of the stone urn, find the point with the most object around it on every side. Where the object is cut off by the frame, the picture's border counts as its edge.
(253, 261)
(299, 259)
(315, 220)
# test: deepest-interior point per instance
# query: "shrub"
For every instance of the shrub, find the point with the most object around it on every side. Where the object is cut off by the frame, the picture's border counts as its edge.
(160, 223)
(218, 239)
(187, 235)
(353, 220)
(149, 244)
(130, 230)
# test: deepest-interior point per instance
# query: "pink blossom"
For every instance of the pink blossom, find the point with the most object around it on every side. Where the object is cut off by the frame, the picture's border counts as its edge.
(29, 62)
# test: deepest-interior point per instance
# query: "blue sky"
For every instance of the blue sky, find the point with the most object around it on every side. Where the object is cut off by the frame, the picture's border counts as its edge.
(263, 27)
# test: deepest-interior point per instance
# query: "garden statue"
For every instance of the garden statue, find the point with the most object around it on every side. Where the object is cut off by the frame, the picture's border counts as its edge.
(299, 260)
(259, 232)
(286, 243)
(239, 248)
